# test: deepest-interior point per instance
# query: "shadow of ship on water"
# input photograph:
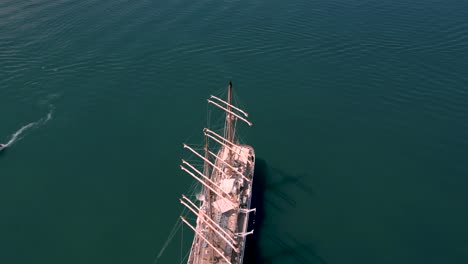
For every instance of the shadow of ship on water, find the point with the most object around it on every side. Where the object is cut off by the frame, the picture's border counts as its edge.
(287, 248)
(2, 152)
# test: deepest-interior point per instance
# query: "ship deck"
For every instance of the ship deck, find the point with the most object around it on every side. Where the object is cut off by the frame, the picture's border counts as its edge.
(228, 212)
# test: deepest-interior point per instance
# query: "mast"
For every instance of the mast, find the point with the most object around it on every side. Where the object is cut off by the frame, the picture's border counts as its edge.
(229, 117)
(206, 167)
(206, 172)
(221, 211)
(209, 210)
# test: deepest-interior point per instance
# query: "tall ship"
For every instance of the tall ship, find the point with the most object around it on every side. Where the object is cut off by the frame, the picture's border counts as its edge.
(222, 206)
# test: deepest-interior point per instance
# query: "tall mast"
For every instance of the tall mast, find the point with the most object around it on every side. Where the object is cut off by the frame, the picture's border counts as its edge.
(229, 115)
(206, 171)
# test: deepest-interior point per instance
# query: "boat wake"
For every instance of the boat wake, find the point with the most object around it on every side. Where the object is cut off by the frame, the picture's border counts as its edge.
(16, 136)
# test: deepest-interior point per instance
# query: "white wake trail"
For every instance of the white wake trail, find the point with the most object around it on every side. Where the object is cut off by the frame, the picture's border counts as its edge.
(38, 123)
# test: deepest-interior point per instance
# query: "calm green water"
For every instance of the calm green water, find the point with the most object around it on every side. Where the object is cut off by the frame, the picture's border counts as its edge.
(360, 112)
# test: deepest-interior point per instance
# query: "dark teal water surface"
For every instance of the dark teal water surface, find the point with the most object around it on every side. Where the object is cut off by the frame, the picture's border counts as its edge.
(360, 112)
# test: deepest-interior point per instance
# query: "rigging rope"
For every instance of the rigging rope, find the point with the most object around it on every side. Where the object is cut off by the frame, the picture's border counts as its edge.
(181, 243)
(176, 226)
(186, 256)
(169, 239)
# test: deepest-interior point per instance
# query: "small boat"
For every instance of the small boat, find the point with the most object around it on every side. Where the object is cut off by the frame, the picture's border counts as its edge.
(2, 146)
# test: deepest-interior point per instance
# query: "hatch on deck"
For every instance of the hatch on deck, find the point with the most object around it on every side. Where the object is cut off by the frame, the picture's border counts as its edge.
(223, 205)
(227, 185)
